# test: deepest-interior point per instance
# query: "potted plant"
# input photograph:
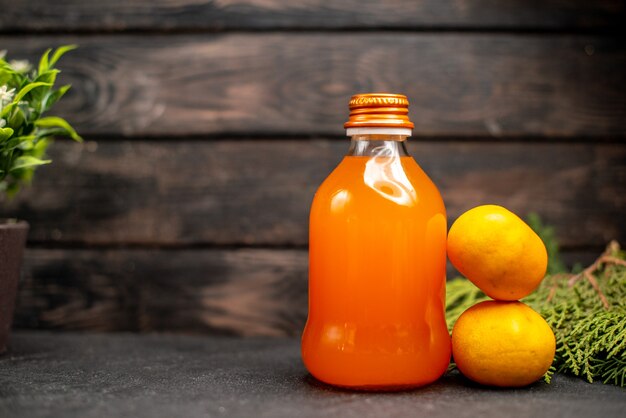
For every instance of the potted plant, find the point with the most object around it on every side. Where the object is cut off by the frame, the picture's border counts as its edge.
(26, 94)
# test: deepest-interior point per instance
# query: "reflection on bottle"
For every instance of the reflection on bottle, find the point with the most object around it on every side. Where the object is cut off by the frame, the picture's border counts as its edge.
(339, 200)
(340, 336)
(385, 175)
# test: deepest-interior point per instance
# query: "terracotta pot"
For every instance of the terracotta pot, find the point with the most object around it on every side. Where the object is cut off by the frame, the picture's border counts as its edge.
(12, 242)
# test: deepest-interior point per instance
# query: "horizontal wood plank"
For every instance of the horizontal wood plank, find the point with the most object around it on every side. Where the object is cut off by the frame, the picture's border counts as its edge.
(241, 292)
(124, 15)
(249, 192)
(460, 85)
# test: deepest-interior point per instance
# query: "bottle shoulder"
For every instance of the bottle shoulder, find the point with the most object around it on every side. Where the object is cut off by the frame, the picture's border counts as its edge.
(376, 183)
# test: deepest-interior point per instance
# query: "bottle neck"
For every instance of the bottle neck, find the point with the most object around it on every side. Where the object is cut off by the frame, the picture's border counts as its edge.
(378, 145)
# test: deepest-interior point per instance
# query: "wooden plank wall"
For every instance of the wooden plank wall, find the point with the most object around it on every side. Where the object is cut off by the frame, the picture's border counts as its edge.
(209, 125)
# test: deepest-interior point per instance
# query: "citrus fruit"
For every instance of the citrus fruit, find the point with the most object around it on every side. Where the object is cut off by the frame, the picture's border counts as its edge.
(504, 344)
(498, 252)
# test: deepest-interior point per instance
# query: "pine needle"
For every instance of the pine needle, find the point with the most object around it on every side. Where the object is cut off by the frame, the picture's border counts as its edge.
(586, 311)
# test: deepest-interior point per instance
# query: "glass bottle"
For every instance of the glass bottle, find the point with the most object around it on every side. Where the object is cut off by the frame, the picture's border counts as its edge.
(377, 239)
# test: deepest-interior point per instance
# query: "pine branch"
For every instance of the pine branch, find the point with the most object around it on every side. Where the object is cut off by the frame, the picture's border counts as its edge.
(587, 313)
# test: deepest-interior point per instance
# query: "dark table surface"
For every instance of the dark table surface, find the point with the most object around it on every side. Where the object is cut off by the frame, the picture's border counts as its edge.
(98, 375)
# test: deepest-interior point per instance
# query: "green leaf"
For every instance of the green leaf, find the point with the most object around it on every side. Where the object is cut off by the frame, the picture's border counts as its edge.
(7, 73)
(43, 62)
(60, 52)
(17, 119)
(24, 91)
(26, 143)
(48, 132)
(27, 161)
(48, 76)
(22, 142)
(39, 150)
(12, 189)
(7, 109)
(54, 97)
(56, 122)
(5, 133)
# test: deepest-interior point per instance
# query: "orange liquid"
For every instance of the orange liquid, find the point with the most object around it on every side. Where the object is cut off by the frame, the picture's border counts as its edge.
(377, 277)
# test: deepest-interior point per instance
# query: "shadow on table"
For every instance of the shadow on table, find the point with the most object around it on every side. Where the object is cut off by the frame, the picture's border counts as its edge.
(451, 381)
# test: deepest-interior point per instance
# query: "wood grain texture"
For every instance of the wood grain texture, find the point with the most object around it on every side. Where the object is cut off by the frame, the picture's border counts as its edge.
(249, 192)
(241, 292)
(123, 15)
(460, 85)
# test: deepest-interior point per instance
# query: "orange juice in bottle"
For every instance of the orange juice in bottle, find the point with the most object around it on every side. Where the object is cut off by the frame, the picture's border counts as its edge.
(377, 260)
